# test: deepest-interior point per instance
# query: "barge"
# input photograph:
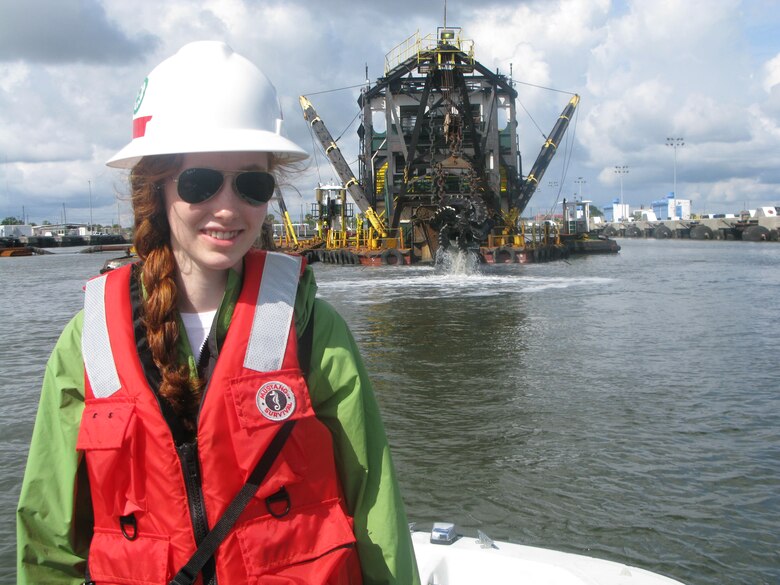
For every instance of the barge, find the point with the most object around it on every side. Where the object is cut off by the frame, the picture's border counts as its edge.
(741, 229)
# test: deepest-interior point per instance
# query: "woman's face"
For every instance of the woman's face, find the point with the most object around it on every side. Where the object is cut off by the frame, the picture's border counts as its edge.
(212, 236)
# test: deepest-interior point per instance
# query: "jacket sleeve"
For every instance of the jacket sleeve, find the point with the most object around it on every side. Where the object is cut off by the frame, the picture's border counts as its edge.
(344, 400)
(52, 538)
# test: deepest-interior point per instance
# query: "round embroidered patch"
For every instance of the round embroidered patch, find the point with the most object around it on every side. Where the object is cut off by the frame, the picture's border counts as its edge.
(275, 401)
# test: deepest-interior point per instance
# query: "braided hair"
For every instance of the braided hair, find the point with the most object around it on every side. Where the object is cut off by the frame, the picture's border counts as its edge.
(152, 243)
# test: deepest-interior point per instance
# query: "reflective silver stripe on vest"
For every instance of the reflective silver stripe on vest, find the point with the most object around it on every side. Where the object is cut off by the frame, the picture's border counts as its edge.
(95, 345)
(274, 313)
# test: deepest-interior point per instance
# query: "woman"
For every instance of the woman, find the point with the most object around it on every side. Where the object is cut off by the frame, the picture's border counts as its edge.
(206, 371)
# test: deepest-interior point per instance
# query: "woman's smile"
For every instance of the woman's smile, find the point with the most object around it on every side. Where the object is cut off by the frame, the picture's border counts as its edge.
(222, 235)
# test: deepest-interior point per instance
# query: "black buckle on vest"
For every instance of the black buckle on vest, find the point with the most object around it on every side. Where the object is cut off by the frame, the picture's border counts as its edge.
(128, 521)
(273, 503)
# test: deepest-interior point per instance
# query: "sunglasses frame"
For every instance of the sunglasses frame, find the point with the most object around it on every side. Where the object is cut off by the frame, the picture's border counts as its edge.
(233, 175)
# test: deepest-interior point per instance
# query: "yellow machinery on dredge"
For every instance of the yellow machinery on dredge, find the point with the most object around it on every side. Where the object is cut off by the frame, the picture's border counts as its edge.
(365, 243)
(442, 173)
(290, 238)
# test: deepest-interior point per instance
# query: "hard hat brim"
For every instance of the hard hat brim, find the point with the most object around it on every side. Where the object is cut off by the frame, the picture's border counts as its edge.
(235, 140)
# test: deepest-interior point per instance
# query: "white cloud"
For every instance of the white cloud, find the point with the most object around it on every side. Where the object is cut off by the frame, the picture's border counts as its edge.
(772, 73)
(646, 70)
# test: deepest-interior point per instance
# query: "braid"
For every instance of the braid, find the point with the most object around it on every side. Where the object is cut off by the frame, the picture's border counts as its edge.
(152, 243)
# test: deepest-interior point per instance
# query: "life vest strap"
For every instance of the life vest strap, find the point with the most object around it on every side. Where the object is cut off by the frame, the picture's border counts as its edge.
(209, 545)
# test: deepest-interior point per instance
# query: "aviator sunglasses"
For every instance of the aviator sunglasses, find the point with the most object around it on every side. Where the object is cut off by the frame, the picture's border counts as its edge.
(197, 185)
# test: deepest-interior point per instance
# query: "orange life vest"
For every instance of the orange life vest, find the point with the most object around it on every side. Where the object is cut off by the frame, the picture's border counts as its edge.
(148, 497)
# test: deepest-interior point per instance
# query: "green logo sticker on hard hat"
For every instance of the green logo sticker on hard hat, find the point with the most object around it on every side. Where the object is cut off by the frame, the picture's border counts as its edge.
(140, 97)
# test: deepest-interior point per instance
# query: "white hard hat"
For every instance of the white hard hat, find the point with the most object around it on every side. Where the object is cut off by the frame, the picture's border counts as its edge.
(206, 98)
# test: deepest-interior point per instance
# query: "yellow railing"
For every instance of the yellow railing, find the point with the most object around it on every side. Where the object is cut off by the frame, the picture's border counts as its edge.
(365, 235)
(538, 235)
(402, 51)
(417, 45)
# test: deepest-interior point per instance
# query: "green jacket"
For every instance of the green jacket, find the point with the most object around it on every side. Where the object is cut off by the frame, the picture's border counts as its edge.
(54, 523)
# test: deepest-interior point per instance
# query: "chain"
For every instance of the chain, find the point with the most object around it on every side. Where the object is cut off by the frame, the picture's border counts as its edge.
(453, 131)
(439, 181)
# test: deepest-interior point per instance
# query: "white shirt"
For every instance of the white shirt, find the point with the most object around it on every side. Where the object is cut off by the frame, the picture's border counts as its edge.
(198, 326)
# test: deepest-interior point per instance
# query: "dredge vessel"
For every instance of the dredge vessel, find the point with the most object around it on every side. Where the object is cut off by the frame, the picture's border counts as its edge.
(442, 174)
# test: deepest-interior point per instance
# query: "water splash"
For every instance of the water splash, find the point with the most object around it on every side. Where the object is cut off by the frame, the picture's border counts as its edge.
(455, 262)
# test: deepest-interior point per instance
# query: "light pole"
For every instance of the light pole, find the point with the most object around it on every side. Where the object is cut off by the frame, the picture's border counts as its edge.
(580, 181)
(620, 171)
(675, 143)
(553, 185)
(89, 182)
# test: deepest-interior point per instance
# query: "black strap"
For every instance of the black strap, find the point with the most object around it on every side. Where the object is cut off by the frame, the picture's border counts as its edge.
(209, 545)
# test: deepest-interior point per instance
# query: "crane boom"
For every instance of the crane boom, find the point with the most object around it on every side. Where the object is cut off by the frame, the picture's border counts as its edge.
(546, 154)
(341, 166)
(288, 226)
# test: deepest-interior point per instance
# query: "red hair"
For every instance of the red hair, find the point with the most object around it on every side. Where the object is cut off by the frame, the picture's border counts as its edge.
(152, 243)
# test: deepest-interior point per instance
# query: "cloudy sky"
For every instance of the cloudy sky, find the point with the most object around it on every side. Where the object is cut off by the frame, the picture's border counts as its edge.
(707, 71)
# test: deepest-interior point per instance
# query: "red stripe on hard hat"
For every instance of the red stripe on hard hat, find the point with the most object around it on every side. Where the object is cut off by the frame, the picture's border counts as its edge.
(139, 126)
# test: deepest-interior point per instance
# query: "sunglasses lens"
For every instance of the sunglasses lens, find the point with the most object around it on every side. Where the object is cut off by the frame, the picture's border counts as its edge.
(197, 185)
(255, 187)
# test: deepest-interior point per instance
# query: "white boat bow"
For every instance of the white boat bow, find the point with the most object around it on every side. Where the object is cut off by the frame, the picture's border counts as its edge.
(464, 560)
